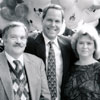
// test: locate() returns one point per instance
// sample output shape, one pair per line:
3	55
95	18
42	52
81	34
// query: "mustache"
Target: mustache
18	45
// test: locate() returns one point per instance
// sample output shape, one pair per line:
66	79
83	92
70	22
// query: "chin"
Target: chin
52	37
18	51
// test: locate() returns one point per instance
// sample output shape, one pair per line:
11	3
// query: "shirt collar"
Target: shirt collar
48	40
11	59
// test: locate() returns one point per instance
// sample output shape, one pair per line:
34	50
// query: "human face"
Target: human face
85	46
15	42
52	23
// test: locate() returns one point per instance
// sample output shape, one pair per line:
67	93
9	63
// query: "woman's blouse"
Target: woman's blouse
84	83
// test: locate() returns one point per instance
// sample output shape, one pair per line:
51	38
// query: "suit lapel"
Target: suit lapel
65	53
41	47
30	70
63	50
5	76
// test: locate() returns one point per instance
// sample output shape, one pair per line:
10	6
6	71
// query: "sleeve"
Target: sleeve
45	93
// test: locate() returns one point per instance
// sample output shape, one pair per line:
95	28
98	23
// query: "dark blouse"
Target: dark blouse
84	83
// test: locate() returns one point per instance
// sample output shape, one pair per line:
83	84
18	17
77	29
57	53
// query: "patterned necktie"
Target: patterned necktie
51	72
18	67
20	85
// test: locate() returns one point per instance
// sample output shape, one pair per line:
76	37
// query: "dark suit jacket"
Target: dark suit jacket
37	47
36	78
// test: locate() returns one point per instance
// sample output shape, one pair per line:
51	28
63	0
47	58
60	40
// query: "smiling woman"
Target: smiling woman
84	81
90	31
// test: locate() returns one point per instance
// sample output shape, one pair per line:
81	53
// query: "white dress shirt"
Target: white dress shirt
59	63
11	59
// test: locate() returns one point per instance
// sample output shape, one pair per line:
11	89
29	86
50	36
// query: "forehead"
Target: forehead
17	31
54	13
85	37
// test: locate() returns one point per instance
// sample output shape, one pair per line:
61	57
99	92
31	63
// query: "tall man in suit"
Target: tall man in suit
22	75
52	20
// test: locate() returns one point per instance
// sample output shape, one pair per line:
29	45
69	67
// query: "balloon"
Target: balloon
1	1
67	4
89	16
11	3
97	2
55	2
21	10
4	22
8	14
84	4
73	17
33	15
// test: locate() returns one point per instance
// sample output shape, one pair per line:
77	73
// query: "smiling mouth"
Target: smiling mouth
85	51
52	29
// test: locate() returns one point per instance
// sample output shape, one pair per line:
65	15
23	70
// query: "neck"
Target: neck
15	56
86	61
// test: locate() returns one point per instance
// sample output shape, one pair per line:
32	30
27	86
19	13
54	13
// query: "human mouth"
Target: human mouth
85	51
52	29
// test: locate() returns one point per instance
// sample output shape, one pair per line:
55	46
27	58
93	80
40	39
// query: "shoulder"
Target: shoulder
32	58
97	66
34	36
64	40
32	39
34	63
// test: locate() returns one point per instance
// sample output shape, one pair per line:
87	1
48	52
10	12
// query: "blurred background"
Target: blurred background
30	11
77	12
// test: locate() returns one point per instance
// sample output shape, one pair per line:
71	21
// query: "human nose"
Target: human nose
18	40
85	45
53	23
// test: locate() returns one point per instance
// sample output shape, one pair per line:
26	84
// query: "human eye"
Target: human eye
49	20
13	37
80	42
57	21
89	43
23	37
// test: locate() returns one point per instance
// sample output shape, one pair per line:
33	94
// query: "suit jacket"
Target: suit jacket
36	78
37	47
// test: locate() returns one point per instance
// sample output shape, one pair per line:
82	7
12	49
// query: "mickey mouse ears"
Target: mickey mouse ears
8	14
20	12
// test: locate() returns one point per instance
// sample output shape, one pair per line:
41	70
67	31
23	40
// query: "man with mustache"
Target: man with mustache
22	75
52	20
